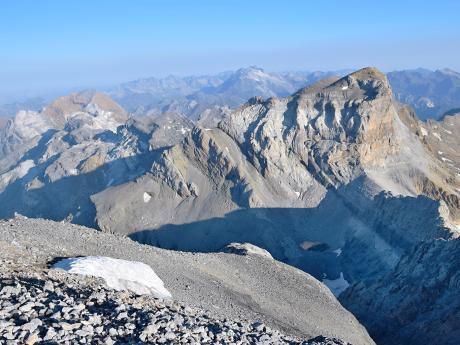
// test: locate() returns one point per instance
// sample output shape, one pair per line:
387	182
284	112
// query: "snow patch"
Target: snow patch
345	87
440	152
447	131
337	286
437	136
423	131
118	274
338	251
147	197
444	159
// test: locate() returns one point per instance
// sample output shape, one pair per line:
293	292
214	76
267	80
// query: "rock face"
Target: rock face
419	298
52	161
338	180
214	294
287	153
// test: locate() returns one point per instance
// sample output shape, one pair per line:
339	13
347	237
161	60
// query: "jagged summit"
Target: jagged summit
449	72
318	86
368	81
367	73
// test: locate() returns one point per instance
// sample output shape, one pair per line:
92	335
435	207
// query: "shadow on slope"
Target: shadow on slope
68	198
359	236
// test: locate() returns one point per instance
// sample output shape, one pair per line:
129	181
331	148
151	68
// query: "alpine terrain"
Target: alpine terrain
261	198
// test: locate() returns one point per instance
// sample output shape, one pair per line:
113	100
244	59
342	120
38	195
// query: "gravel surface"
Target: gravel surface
58	308
247	289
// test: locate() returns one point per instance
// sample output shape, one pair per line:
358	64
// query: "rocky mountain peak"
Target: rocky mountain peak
368	82
250	71
449	72
367	73
86	101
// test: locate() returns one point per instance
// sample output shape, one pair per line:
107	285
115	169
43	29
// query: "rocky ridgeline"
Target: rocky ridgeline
57	308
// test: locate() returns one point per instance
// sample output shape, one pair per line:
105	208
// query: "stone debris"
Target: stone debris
65	309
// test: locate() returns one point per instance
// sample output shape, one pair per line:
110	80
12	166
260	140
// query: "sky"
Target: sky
55	45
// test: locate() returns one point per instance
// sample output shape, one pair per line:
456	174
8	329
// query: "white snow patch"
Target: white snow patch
297	193
423	131
440	152
337	286
101	119
447	131
437	136
444	159
345	87
147	197
338	251
118	274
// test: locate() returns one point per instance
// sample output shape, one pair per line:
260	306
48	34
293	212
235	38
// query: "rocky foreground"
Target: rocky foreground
58	308
49	306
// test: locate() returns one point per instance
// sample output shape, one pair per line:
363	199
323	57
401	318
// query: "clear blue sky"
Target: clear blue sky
47	45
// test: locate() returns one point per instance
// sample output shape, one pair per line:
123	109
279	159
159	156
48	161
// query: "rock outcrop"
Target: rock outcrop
246	249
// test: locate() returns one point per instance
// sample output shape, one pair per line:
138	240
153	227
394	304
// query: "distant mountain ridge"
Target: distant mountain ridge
430	93
8	110
193	95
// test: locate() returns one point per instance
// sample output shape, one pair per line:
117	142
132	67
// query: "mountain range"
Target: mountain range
430	93
337	178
